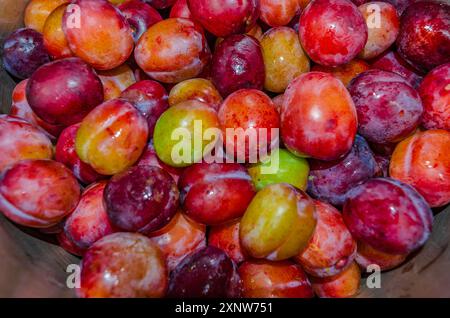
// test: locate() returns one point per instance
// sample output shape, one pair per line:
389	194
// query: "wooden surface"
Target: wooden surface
31	267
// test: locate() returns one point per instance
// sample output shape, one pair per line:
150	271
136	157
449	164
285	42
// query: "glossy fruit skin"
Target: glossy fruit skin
344	285
368	215
150	98
435	94
368	255
278	223
123	265
318	117
389	109
37	12
423	161
140	16
380	36
199	89
391	61
331	181
331	249
112	137
183	115
24	52
63	92
238	63
424	40
38	193
115	81
226	237
291	169
172	50
224	18
278	12
208	273
19	140
54	38
284	58
327	37
89	222
180	10
103	39
215	193
244	113
142	199
264	279
69	246
179	238
346	72
20	108
160	4
66	154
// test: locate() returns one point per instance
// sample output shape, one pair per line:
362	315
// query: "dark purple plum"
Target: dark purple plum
142	199
63	92
238	63
24	52
208	273
331	181
389	108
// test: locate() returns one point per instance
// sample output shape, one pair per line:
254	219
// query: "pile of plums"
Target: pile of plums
355	97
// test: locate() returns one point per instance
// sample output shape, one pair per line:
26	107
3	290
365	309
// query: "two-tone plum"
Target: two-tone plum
367	256
343	285
54	38
346	72
199	89
318	117
226	237
115	81
278	223
37	12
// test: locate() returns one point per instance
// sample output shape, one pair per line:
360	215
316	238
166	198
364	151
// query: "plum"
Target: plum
214	193
346	72
388	215
37	12
199	89
278	12
140	16
226	237
54	38
24	52
368	255
142	199
180	9
63	92
207	273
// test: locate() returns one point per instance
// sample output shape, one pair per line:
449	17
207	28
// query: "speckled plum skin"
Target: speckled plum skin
123	265
140	16
346	72
369	215
332	248
38	193
112	137
278	223
368	255
21	108
19	140
142	199
391	61
63	92
343	285
150	98
435	94
238	63
226	237
382	36
103	38
66	154
24	52
318	117
332	32
89	222
181	237
424	40
172	50
278	12
389	109
208	273
264	279
225	17
423	161
249	110
331	181
215	193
